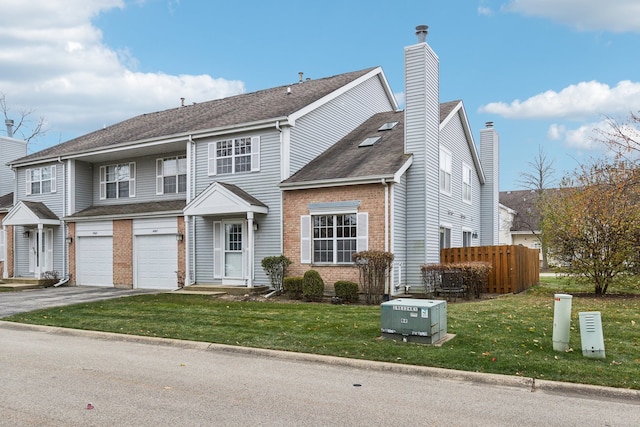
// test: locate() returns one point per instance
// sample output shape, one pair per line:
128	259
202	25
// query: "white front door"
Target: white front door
233	253
40	251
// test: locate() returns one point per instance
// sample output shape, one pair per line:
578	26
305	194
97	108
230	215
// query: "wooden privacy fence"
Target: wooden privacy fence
514	268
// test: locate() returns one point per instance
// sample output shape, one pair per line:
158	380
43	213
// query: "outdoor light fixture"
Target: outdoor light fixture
69	239
475	235
25	234
256	227
179	237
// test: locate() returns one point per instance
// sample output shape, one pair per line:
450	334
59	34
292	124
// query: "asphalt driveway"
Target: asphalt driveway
20	302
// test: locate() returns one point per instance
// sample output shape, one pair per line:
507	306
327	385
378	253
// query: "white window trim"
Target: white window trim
254	155
28	181
446	227
306	236
446	168
470	231
3	244
160	176
103	181
467	172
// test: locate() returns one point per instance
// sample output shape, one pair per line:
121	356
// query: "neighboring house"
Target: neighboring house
202	193
520	219
10	148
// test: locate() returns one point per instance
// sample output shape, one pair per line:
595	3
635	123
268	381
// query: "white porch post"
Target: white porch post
250	249
40	253
187	257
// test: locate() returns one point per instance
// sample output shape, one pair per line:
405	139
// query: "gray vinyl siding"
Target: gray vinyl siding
54	201
145	181
490	227
262	184
399	230
422	114
320	129
453	210
83	186
10	149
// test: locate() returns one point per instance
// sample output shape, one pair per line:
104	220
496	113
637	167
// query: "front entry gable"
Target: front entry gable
30	213
221	198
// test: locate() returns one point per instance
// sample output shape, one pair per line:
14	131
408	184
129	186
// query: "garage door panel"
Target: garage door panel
94	261
157	262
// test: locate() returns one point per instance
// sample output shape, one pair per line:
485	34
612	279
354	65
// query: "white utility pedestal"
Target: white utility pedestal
561	321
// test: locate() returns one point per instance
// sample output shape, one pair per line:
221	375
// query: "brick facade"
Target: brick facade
295	204
123	253
71	232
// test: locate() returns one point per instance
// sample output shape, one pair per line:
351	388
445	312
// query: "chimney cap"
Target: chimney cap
421	32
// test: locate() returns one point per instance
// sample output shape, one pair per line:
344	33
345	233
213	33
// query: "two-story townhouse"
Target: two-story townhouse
202	193
183	195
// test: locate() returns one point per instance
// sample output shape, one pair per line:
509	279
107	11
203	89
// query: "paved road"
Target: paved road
53	376
20	302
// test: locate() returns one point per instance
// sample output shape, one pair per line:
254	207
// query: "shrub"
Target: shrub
312	286
374	268
293	287
50	278
347	291
276	269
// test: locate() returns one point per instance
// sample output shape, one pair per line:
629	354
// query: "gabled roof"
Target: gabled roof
347	160
524	203
222	198
30	213
270	104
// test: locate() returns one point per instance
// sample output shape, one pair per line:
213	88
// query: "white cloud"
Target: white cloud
53	60
484	11
613	15
582	100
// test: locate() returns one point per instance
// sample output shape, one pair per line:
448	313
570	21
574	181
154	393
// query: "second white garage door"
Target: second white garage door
157	261
94	261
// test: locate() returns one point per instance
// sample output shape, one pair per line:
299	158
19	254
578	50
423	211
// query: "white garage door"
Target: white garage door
157	261
94	261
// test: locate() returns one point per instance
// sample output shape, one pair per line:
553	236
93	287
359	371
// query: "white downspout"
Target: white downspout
5	270
188	280
388	284
65	261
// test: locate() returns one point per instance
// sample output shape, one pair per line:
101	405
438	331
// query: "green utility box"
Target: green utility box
414	320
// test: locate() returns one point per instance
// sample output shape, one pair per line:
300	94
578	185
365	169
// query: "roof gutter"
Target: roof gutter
165	139
339	182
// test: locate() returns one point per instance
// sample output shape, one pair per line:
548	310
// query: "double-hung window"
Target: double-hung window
235	155
332	238
466	238
171	175
118	181
445	171
41	180
466	183
445	237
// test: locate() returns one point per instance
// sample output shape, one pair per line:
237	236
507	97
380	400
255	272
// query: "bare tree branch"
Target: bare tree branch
23	125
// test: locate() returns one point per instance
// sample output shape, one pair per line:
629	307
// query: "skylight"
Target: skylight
388	126
369	141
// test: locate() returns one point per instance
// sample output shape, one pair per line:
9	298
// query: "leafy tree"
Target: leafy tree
539	177
24	126
623	138
592	222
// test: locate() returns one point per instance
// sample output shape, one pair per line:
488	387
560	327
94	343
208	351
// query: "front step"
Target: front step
222	290
22	284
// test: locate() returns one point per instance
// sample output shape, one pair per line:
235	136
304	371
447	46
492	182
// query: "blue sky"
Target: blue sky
546	72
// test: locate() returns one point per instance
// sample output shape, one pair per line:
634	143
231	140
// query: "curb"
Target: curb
532	384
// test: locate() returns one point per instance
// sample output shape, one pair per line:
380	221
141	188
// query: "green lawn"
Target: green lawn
507	335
